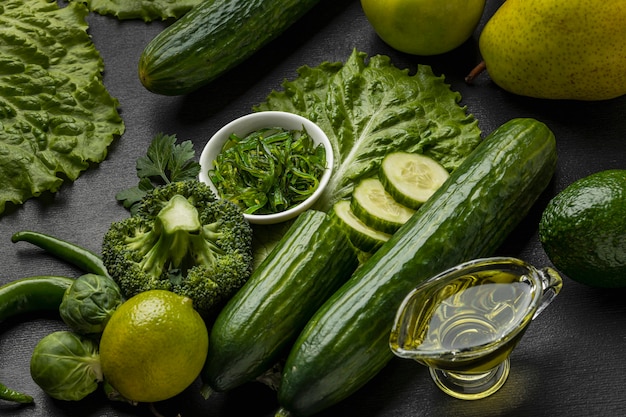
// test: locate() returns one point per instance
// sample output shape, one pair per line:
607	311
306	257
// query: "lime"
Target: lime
154	346
423	27
583	230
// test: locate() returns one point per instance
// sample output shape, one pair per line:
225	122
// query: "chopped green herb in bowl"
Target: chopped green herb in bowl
272	164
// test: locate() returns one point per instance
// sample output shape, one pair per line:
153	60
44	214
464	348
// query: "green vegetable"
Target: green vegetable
165	162
146	10
364	237
89	303
375	207
370	109
261	320
76	255
182	239
213	37
25	295
345	343
411	178
39	293
66	365
9	394
269	170
57	116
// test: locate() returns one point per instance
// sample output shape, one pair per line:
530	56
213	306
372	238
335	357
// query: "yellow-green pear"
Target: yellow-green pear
558	49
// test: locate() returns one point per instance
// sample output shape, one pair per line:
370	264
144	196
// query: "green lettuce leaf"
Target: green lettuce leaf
56	116
146	10
369	108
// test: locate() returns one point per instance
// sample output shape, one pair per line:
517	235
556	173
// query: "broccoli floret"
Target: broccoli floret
183	239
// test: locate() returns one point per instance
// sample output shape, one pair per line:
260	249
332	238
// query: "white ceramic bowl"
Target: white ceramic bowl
255	121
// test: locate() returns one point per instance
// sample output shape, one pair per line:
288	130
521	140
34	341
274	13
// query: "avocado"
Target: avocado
583	230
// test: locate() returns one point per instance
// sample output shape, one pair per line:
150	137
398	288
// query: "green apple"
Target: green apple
424	27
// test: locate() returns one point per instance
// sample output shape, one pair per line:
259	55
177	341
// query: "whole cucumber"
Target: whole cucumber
346	342
211	38
312	260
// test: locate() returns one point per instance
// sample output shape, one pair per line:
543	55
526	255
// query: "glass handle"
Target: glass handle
552	284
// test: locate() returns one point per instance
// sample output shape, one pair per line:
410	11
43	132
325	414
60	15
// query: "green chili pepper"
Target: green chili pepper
38	293
15	396
24	295
69	252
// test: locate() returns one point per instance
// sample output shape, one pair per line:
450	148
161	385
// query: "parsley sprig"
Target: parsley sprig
165	162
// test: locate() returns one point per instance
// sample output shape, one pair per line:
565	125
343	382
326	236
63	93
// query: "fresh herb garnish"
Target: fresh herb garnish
165	162
269	170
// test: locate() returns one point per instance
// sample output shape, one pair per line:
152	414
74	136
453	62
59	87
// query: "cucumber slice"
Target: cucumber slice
377	208
411	178
361	235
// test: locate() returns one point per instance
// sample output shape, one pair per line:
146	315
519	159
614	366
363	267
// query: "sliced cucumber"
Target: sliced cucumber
377	208
411	178
361	235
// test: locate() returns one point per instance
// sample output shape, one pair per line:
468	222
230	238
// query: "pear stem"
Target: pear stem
475	72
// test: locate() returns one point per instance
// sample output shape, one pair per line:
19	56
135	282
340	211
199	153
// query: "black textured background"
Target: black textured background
571	361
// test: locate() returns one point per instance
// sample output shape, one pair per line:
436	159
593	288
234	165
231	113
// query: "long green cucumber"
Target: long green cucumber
213	37
312	260
346	342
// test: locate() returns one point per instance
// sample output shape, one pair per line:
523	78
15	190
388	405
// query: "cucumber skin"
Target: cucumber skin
311	261
213	37
346	343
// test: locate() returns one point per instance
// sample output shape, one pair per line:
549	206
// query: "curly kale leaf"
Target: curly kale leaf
147	10
368	109
56	116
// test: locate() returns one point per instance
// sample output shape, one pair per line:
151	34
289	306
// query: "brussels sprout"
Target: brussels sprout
89	303
66	365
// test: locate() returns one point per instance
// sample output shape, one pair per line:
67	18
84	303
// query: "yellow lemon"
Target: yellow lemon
154	346
424	27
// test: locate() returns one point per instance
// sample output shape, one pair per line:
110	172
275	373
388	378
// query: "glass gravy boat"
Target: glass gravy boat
464	323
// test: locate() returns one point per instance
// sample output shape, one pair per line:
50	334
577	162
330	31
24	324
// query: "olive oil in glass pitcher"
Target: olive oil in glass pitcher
464	323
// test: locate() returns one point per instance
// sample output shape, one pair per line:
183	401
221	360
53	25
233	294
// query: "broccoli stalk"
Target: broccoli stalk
177	241
184	240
